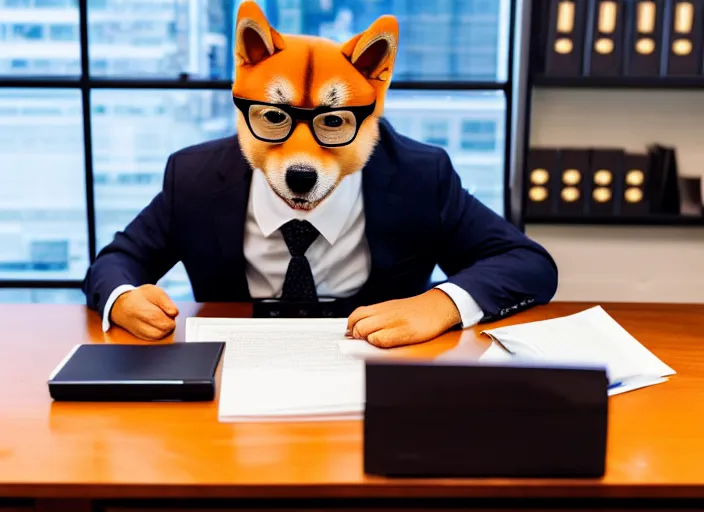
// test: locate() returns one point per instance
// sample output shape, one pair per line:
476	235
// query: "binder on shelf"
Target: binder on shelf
635	184
541	179
644	37
683	54
571	184
605	182
566	30
691	204
664	190
603	55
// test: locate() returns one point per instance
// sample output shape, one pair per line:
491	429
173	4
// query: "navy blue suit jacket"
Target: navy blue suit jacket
417	216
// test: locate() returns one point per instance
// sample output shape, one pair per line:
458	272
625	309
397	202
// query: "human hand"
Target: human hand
147	312
404	321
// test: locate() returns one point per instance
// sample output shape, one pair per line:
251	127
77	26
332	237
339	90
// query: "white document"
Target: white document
590	338
286	369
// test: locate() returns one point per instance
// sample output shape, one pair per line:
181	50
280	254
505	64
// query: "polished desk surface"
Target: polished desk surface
655	440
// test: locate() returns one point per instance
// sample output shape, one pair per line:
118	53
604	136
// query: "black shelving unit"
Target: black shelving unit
538	80
620	82
650	220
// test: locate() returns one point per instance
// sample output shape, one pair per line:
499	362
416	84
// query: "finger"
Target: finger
387	338
146	310
166	325
154	316
357	315
369	325
160	298
147	331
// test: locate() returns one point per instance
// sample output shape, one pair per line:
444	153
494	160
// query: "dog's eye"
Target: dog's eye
333	121
275	117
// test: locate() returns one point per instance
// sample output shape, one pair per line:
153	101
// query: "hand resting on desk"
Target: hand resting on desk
404	321
147	312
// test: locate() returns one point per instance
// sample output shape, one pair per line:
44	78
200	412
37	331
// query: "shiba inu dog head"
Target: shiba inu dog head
308	108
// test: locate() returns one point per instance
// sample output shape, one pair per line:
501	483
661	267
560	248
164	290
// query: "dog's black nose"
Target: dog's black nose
301	178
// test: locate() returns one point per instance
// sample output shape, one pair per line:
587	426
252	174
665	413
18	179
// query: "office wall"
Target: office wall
618	263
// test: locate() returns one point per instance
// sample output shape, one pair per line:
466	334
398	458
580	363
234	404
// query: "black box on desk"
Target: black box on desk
457	420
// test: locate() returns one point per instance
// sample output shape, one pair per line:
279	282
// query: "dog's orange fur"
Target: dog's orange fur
302	71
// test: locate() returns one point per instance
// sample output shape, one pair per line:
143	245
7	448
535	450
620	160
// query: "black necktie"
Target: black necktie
299	284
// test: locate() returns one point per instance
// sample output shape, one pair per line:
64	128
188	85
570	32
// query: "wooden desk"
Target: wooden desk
59	456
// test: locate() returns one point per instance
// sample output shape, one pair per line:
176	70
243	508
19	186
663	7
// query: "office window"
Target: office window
16	3
37	295
54	4
27	31
20	65
479	135
435	132
39	30
169	38
64	32
44	227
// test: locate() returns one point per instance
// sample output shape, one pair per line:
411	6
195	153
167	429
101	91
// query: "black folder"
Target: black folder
572	183
542	178
604	42
664	191
644	43
137	373
635	199
605	180
683	54
691	204
566	30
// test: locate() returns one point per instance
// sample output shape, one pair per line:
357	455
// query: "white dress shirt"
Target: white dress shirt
339	258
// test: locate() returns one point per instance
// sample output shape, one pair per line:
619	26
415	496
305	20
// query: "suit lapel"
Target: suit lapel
229	207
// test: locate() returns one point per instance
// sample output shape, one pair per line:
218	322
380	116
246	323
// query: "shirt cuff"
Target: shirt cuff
111	300
470	312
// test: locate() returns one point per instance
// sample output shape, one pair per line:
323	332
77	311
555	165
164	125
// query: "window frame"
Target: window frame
513	89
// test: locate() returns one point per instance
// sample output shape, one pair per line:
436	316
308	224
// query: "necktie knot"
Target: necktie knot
299	235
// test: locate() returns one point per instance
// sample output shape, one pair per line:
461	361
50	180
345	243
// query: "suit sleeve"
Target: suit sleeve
140	254
484	254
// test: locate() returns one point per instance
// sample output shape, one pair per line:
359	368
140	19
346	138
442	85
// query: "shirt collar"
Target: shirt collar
329	217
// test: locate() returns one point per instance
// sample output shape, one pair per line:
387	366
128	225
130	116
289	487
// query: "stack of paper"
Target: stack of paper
590	338
286	369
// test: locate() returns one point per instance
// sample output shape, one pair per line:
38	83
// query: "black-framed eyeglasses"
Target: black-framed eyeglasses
330	126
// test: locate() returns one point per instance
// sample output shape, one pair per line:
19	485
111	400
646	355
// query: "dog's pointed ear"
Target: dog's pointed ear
373	52
255	39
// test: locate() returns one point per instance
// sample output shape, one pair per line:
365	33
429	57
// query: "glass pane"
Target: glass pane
133	134
41	295
43	226
470	126
39	38
440	39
